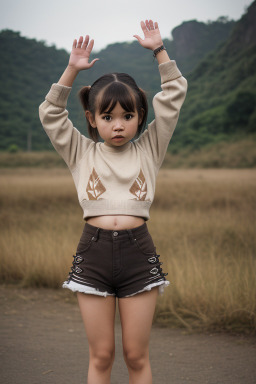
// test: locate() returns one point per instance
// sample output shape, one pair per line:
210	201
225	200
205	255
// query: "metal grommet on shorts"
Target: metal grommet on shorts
78	259
154	271
152	259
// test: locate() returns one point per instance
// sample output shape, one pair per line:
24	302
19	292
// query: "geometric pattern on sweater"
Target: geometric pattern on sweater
94	188
139	187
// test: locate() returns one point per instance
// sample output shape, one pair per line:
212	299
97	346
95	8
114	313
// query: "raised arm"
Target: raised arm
167	104
66	139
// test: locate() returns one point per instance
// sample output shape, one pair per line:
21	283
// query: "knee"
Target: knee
135	358
103	359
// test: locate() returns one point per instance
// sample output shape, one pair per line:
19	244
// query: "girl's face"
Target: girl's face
117	127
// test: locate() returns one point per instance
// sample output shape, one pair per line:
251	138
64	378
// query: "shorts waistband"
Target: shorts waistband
109	234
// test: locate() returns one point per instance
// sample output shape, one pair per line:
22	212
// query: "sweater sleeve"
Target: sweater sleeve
66	139
167	104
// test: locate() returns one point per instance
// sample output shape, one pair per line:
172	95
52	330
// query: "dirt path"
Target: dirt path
43	341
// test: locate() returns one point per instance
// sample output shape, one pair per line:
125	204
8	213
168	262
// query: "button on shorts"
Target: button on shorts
119	263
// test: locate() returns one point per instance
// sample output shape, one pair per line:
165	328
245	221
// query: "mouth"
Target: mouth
118	137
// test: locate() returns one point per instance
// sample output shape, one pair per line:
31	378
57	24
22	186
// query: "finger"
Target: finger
90	46
143	27
151	25
74	43
138	38
80	42
93	62
156	25
147	25
85	43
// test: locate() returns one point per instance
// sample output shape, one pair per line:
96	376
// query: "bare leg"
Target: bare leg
136	313
98	314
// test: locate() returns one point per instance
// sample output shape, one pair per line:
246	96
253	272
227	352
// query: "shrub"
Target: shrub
13	148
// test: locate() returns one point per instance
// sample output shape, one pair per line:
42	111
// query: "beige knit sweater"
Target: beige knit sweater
116	180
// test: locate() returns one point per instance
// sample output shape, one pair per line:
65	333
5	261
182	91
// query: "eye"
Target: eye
106	118
128	116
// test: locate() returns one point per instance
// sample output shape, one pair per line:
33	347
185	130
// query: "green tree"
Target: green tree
239	110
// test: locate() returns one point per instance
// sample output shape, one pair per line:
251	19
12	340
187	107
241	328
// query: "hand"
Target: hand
80	54
152	36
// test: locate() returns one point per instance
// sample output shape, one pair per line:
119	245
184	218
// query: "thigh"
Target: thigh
98	314
136	314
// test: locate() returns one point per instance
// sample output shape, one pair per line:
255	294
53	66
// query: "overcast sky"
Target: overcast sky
60	21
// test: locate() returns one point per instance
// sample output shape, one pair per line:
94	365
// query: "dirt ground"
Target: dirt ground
43	341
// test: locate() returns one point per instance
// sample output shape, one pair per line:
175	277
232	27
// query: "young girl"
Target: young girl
115	182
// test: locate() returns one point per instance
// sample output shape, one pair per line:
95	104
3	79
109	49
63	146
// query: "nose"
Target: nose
118	126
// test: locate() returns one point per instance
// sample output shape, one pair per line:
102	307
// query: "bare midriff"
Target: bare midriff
117	222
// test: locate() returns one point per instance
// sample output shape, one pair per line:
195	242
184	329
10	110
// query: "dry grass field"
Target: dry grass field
203	223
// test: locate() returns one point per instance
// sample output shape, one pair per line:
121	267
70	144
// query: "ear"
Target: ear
90	118
142	112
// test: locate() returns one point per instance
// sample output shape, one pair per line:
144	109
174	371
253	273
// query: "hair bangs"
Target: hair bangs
116	92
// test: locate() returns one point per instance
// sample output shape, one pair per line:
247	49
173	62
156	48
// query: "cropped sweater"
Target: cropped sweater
116	180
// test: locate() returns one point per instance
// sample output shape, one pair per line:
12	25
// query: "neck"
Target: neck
113	148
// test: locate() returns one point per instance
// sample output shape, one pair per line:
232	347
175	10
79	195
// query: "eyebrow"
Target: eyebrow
110	113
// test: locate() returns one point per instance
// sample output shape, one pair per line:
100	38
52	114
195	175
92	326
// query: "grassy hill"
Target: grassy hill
221	102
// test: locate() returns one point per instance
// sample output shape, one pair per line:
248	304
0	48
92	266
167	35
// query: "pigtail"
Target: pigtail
84	98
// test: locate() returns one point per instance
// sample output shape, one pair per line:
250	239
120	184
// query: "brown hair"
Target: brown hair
114	88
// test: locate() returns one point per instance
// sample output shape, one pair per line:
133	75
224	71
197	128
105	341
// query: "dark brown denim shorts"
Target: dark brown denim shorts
120	263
